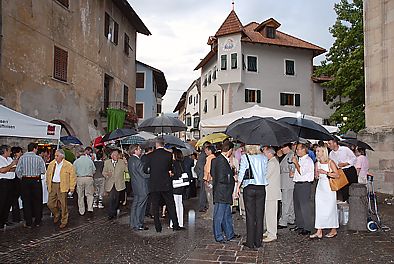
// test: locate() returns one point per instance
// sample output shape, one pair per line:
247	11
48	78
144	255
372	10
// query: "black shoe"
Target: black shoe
158	230
236	236
296	228
111	217
305	233
281	227
248	246
143	228
178	228
300	231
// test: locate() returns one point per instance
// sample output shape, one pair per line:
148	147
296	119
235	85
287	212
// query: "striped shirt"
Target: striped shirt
30	164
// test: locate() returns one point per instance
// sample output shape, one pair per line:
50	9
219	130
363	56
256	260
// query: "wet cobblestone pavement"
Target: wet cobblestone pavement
98	240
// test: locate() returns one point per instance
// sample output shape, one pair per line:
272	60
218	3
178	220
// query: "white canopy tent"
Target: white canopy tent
15	124
219	123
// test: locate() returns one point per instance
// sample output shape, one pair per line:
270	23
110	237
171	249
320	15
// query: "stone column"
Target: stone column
379	98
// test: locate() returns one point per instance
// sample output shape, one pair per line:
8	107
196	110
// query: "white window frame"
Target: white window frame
257	63
144	72
284	67
255	89
294	94
143	109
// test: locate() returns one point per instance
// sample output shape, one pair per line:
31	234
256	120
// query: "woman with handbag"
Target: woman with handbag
325	198
252	177
179	173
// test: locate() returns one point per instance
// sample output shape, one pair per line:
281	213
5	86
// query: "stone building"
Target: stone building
67	61
379	98
259	64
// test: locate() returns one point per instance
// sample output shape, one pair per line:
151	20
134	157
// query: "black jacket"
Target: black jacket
178	169
158	164
223	180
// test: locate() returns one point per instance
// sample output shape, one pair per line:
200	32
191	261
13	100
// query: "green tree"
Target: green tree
345	63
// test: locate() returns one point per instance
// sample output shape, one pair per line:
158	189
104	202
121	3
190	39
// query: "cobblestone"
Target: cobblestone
102	241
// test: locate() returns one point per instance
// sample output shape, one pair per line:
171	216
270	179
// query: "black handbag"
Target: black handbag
248	172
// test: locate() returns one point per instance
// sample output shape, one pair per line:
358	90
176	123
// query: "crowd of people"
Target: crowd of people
250	178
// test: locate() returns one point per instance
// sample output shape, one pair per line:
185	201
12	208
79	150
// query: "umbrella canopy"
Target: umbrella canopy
118	133
262	131
97	142
358	143
174	141
134	139
146	135
212	138
350	135
70	140
162	124
188	150
308	129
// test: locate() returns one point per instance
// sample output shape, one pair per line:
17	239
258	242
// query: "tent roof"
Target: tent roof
220	123
15	124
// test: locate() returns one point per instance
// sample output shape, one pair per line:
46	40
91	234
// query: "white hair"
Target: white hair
61	152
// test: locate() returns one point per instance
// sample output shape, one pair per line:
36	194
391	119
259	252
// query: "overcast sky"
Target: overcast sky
180	30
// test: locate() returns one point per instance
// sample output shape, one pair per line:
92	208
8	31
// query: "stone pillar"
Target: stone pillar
379	91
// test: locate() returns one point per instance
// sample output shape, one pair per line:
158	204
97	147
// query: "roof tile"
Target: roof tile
231	25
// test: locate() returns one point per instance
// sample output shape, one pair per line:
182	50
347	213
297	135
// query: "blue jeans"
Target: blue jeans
222	222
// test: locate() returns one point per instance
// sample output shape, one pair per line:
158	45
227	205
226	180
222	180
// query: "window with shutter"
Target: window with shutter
60	58
214	73
243	62
223	62
324	95
189	121
63	3
205	106
126	44
158	108
297	99
271	32
125	95
252	63
116	32
106	25
140	80
290	69
258	96
139	108
111	29
234	61
215	101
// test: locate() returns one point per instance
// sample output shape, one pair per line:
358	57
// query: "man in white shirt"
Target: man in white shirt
303	178
345	159
7	174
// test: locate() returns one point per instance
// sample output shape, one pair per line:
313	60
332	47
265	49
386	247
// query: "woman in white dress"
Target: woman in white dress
325	199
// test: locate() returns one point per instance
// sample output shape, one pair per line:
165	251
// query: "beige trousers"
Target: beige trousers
56	199
271	217
85	188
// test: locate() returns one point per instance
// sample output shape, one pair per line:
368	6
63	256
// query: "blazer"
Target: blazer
223	180
199	168
139	179
272	190
286	182
158	164
67	176
117	175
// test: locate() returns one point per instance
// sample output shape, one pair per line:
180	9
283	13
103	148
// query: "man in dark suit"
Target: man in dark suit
158	165
139	184
223	187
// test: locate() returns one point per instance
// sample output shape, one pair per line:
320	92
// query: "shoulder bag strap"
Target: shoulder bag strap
250	167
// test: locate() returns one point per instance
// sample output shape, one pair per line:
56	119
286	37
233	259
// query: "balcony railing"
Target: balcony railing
131	116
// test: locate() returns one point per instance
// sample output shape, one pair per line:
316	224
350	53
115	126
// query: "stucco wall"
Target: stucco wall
146	95
31	29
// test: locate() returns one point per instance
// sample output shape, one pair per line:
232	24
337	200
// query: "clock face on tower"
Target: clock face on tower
229	45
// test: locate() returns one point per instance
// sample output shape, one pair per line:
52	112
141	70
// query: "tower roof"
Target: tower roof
231	25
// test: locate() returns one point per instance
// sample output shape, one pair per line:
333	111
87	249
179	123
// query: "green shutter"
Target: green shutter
116	31
297	99
258	96
282	99
246	96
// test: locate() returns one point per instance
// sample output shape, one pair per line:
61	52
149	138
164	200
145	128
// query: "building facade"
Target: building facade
151	86
189	109
379	89
68	61
258	64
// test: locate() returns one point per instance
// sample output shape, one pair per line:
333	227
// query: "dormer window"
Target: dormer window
271	32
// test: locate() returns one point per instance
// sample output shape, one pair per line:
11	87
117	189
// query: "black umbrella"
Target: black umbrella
70	140
358	143
308	129
162	124
119	133
261	131
173	141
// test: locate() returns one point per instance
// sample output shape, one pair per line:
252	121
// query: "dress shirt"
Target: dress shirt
30	164
84	166
4	162
307	170
259	164
56	174
342	155
114	162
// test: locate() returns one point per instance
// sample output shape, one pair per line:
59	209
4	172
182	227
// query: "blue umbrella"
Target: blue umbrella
134	139
68	140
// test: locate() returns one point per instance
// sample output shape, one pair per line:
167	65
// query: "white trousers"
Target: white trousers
179	209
